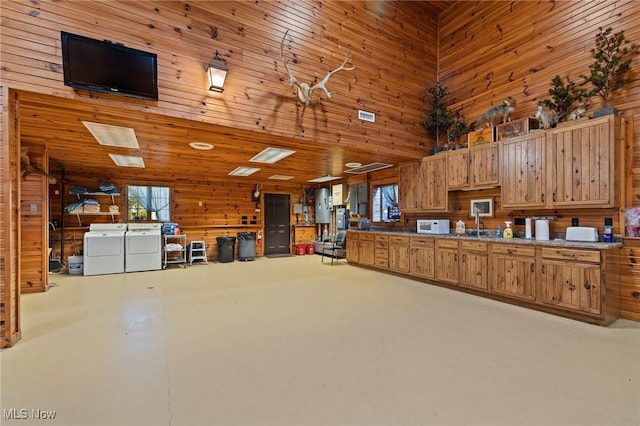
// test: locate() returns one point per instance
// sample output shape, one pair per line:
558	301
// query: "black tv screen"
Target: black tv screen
103	66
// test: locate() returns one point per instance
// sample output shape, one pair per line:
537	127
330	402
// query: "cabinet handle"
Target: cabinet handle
636	294
543	269
455	257
569	254
532	267
554	197
587	286
510	251
543	197
572	287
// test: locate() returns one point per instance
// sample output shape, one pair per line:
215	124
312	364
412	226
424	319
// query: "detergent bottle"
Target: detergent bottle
508	232
460	227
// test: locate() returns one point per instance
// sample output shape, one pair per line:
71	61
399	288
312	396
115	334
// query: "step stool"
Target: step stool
197	251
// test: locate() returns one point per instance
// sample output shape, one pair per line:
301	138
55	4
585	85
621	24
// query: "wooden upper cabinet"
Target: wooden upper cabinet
484	167
523	179
458	169
581	163
408	177
475	167
433	195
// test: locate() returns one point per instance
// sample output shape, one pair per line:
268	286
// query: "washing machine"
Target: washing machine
103	249
143	243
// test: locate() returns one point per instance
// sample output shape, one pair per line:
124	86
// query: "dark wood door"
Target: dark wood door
276	224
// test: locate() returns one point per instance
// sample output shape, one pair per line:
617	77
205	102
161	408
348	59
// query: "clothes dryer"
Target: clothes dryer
103	248
143	242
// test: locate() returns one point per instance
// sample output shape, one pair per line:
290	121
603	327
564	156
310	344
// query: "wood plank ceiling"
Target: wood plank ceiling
56	124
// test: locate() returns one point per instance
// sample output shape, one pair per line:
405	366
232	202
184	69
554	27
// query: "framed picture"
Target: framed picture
484	207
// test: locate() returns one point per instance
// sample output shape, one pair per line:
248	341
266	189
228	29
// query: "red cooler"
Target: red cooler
300	249
309	248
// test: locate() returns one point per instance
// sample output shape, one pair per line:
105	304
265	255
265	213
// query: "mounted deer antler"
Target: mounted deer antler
305	90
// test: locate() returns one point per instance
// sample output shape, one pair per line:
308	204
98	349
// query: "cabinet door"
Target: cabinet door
422	262
458	169
399	258
513	275
484	170
571	285
407	187
447	265
433	193
366	252
523	178
474	270
581	160
352	249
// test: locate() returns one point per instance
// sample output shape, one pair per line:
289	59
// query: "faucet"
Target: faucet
476	214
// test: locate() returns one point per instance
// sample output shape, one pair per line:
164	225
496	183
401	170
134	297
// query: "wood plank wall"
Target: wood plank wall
393	45
226	206
34	220
10	331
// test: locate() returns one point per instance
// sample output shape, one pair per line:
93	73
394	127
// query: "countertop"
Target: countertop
560	243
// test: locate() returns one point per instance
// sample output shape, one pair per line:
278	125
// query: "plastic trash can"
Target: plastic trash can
246	245
76	265
226	249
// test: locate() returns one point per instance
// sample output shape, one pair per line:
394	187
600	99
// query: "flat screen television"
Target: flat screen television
103	66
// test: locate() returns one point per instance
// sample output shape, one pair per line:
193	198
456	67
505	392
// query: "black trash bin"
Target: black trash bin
226	248
246	245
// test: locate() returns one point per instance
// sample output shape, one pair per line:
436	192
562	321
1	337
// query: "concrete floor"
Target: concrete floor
291	341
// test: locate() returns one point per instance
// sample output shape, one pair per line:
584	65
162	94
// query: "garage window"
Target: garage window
148	203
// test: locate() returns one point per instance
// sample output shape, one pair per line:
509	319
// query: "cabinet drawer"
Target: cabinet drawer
366	237
382	254
382	263
382	238
382	244
417	242
572	254
474	246
514	250
442	243
398	240
353	235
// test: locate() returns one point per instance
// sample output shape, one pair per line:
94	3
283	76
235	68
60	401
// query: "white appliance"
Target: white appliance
143	247
581	233
103	249
432	226
542	229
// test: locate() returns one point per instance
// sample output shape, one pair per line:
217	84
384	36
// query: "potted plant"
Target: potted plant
563	97
438	119
612	62
457	128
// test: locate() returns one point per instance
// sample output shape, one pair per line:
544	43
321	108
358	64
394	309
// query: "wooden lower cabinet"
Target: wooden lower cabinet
513	271
399	254
366	249
422	257
474	264
447	261
382	251
573	284
578	283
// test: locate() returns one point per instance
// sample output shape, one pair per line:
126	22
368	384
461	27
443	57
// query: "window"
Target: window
385	203
148	203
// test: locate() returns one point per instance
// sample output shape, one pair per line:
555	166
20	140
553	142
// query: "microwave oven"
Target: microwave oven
432	226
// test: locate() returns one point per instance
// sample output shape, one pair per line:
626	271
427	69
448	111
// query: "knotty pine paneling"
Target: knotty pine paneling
490	50
34	222
630	279
226	205
400	35
10	331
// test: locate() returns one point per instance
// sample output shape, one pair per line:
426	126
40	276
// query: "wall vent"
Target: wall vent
366	116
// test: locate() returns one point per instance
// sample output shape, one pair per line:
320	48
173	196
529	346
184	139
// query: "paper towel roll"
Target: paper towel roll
527	228
542	229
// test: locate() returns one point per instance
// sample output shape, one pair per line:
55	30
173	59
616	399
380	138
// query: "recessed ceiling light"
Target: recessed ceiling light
127	160
202	146
326	178
352	165
243	171
281	177
271	155
106	134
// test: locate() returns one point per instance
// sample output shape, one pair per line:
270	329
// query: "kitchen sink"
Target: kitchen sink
483	233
